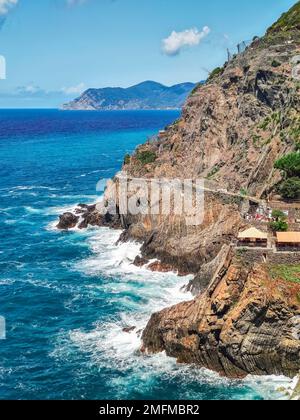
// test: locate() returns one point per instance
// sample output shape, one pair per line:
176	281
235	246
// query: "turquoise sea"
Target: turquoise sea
66	297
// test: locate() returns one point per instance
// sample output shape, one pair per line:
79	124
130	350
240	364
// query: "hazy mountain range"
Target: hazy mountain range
146	95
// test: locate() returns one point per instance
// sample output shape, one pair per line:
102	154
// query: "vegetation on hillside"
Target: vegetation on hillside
127	159
290	188
216	72
278	215
290	166
196	88
289	21
146	157
279	224
290	273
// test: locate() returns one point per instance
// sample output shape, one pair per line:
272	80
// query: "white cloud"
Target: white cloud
74	90
179	40
5	5
31	89
28	90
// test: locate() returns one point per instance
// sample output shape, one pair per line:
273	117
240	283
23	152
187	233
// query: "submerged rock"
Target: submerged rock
160	267
128	330
140	261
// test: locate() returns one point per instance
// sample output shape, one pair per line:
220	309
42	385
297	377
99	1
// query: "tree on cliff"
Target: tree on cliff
290	164
290	188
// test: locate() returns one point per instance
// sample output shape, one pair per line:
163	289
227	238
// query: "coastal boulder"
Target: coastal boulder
67	221
140	261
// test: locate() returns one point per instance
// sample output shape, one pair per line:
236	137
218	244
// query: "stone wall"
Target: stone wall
288	258
252	256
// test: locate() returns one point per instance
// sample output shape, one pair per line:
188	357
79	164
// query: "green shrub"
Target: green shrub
290	189
290	164
241	252
278	215
256	139
275	64
265	123
196	88
127	159
216	72
213	172
280	226
146	157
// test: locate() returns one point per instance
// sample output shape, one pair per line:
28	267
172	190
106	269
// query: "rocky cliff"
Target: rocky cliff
235	126
245	322
231	131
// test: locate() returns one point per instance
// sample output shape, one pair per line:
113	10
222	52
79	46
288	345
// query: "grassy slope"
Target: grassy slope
289	21
290	273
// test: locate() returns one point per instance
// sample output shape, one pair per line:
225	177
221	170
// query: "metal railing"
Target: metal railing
241	47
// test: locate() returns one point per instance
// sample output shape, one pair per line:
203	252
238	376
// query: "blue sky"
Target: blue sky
54	49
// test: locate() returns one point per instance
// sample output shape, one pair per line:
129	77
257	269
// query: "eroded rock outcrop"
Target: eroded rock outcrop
84	216
67	221
245	323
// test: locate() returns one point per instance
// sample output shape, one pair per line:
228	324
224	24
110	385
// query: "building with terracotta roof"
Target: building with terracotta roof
253	238
288	241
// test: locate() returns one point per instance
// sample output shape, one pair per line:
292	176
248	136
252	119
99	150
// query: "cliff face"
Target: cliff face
235	126
187	248
245	323
231	131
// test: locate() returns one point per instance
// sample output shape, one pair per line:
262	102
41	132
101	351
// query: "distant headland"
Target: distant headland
146	95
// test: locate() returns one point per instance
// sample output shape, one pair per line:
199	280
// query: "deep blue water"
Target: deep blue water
67	296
